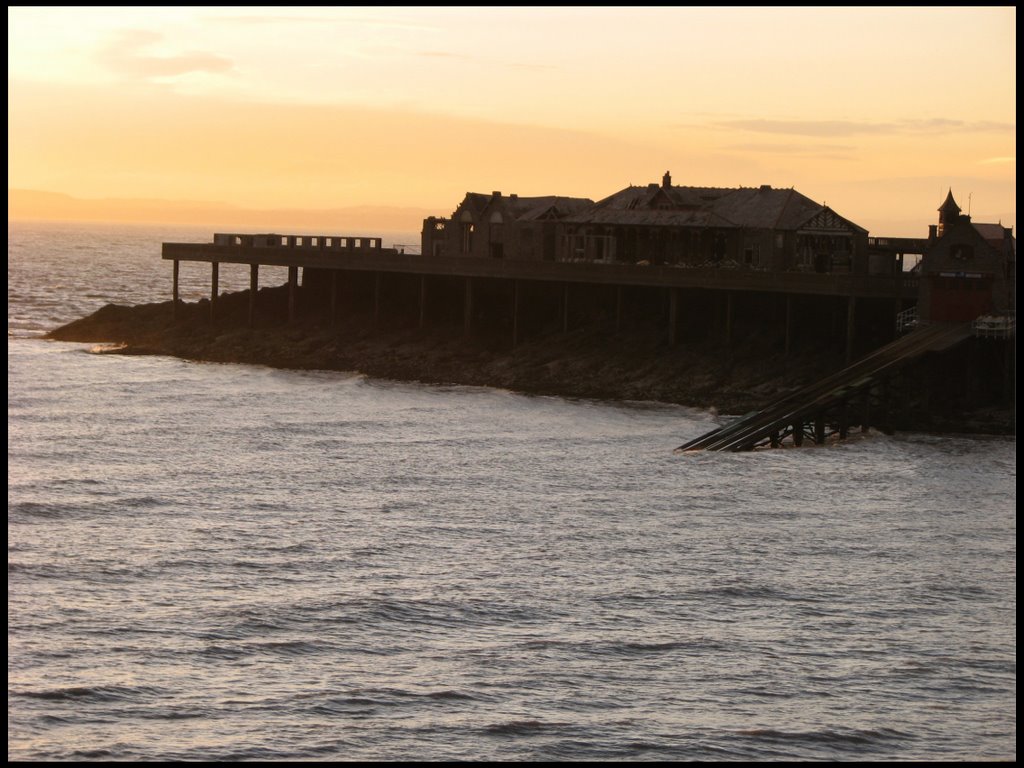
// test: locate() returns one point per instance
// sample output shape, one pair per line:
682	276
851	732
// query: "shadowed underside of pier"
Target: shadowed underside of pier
834	403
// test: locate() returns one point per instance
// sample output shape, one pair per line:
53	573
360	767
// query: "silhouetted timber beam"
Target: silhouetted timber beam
789	324
174	291
293	281
423	300
467	307
565	307
334	297
851	326
515	312
214	289
376	298
254	286
673	315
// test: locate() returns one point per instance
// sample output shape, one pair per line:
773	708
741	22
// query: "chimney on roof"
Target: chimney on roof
766	187
666	180
496	193
513	196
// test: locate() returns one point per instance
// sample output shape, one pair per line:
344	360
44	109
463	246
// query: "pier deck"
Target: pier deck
390	260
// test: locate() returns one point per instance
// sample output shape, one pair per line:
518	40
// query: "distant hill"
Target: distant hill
37	205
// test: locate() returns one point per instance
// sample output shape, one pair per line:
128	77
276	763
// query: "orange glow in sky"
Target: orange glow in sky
874	111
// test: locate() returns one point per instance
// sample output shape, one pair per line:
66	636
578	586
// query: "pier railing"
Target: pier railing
906	321
996	325
367	253
346	243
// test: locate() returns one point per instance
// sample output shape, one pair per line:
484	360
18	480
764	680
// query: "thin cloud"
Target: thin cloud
998	160
834	128
124	56
270	19
511	64
796	149
322	19
442	54
521	65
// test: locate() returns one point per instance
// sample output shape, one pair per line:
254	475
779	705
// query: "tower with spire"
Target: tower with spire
949	214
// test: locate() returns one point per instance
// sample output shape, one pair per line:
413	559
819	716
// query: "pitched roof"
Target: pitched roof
554	204
949	202
742	208
995	235
655	205
526	208
990	231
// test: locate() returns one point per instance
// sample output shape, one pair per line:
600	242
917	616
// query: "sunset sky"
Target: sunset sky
874	111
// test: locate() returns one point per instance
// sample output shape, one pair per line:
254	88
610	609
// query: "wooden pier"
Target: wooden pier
870	316
688	294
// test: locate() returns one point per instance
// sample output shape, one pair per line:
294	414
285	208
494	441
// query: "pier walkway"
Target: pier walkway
830	403
367	254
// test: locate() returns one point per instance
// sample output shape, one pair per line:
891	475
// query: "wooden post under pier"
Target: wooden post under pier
515	312
254	287
851	316
174	291
334	297
467	307
214	289
376	298
423	300
728	317
565	307
673	315
789	323
293	279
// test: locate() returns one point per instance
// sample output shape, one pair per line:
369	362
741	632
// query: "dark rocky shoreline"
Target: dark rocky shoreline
632	364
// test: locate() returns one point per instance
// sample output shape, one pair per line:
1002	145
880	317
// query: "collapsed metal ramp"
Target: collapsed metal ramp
808	406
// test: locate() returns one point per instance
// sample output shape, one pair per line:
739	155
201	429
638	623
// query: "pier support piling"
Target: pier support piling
467	308
851	327
214	289
673	315
293	280
728	317
789	324
515	312
423	301
334	297
254	286
565	307
174	291
376	299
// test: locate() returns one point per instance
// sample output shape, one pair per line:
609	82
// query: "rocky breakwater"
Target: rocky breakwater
595	362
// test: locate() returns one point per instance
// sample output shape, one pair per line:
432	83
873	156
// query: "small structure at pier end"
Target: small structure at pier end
966	299
969	269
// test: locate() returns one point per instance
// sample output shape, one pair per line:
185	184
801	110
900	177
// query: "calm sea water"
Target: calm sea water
227	562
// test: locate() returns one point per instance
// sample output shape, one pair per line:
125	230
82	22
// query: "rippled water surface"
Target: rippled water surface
233	562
